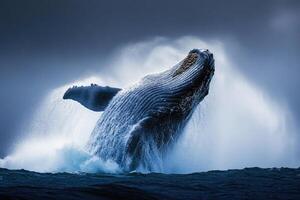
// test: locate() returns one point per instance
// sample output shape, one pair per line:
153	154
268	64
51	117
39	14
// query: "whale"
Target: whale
138	125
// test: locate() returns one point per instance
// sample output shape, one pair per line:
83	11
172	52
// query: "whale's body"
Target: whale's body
141	122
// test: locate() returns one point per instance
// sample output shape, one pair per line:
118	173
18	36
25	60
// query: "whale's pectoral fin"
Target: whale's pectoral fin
93	97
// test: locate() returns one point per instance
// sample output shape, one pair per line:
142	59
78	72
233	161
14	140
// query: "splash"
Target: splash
57	135
237	125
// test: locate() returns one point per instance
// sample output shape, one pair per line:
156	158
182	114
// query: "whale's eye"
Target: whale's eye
187	63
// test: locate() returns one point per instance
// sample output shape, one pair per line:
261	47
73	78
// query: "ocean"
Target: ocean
248	183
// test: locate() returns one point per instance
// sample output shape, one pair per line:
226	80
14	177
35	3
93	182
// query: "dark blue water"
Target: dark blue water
249	183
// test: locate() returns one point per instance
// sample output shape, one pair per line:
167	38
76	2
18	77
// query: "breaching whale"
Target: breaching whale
139	124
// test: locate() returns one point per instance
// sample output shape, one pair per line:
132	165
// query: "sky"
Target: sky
46	43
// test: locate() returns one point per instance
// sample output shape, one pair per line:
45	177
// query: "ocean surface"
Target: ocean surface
248	183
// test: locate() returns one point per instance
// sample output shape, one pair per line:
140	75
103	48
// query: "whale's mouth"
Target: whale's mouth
187	63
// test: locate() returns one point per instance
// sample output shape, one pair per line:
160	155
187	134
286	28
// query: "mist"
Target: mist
237	125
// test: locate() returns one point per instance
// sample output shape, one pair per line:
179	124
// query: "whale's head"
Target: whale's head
189	80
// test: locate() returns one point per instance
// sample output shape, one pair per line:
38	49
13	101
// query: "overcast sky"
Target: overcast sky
46	43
